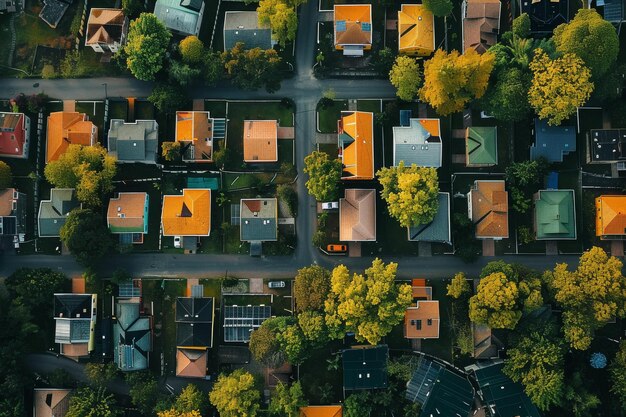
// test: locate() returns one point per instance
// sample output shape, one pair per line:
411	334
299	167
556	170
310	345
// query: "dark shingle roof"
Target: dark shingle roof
365	368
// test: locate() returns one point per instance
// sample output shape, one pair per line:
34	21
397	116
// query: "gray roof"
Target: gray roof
53	212
132	338
53	11
244	27
439	229
552	142
181	16
134	142
72	317
414	144
259	219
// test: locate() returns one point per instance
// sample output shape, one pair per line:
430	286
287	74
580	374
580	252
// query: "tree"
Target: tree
578	397
88	169
293	343
287	400
439	8
521	26
452	80
358	405
591	38
183	74
191	399
235	395
466	245
507	99
86	236
496	302
132	8
173	412
319	239
213	67
617	371
170	151
590	296
369	305
324	175
34	289
99	374
288	195
383	60
6	178
264	345
311	287
559	86
92	402
313	327
411	193
405	76
192	50
146	45
144	391
167	98
249	69
458	287
222	157
280	17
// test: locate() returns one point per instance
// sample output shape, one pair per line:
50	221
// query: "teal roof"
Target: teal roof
203	183
482	146
439	229
132	337
181	16
555	215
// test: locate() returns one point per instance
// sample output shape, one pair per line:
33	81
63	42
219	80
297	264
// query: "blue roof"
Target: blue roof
437	230
552	142
340	25
366	27
553	181
405	117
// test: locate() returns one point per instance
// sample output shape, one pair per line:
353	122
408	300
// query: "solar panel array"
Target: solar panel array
240	321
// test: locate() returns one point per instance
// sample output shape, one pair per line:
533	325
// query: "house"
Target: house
353	28
438	230
481	24
241	321
611	10
9	6
243	26
53	11
196	130
260	141
545	15
486	344
194	335
439	390
481	146
419	143
12	212
127	216
14	135
607	146
421	319
555	215
132	336
51	402
502	397
611	217
357	216
183	17
356	145
75	322
53	212
365	367
488	208
106	30
259	219
321	411
134	142
68	128
416	34
552	142
188	214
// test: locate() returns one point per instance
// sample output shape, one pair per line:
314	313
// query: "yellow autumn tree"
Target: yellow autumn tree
369	305
173	412
559	86
590	296
452	80
458	287
235	395
496	302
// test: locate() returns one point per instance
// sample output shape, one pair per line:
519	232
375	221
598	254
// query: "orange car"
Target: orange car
336	248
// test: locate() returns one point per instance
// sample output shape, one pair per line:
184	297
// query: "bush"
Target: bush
6	178
287	194
48	72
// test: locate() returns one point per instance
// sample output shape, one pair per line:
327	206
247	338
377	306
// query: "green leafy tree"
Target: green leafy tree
250	69
213	67
34	288
183	74
406	77
287	400
144	391
313	327
92	402
235	395
88	169
411	193
591	38
521	26
507	99
288	195
280	17
132	8
369	305
617	371
324	175
167	98
559	86
293	343
590	296
86	236
439	8
190	399
383	60
192	50
527	173
222	157
458	287
100	374
452	80
146	45
496	302
358	405
170	151
577	396
6	178
265	346
320	238
311	287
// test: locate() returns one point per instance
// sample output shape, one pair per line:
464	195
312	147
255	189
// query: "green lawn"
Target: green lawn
285	151
144	110
217	108
212	288
369	105
327	117
118	109
53	106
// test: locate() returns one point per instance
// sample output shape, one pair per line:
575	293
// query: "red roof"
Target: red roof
12	134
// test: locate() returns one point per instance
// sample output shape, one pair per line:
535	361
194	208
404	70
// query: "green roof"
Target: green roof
365	368
555	216
482	145
437	230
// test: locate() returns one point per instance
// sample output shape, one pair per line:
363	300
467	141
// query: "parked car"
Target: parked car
178	243
276	284
336	248
331	205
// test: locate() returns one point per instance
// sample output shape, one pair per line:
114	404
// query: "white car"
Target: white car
178	242
331	205
276	284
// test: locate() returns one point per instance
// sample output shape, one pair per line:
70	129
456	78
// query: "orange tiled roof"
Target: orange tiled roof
420	290
103	21
191	363
131	208
416	30
321	411
78	285
354	16
611	215
260	142
490	209
358	156
357	216
68	128
188	214
416	320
